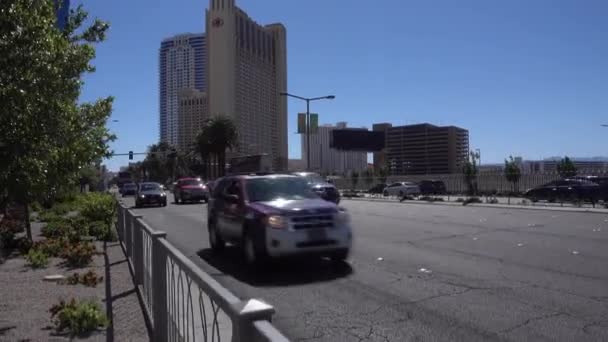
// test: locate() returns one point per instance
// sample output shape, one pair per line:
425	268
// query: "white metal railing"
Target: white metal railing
182	302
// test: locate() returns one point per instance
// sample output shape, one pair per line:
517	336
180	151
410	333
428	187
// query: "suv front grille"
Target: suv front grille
316	221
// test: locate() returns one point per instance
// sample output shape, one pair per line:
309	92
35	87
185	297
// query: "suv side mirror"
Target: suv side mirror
233	199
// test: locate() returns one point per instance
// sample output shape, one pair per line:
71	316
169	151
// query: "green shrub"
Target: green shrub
77	318
37	258
8	229
73	228
102	231
48	216
90	279
98	207
52	247
36	207
78	254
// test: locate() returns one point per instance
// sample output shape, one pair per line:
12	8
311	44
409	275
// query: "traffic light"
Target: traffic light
130	155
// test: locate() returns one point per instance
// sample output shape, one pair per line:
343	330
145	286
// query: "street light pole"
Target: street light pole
308	100
308	134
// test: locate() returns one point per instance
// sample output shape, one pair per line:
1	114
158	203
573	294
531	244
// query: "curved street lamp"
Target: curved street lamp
308	100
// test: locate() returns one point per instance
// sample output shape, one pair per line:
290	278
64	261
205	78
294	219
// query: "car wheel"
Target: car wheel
400	193
385	193
176	199
165	203
215	240
252	254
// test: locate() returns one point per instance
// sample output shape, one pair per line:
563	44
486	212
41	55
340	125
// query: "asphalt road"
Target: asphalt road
422	272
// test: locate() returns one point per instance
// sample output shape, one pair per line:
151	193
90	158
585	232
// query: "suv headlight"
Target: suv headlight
162	194
142	196
342	217
277	221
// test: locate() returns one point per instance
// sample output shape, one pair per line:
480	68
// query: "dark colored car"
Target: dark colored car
565	190
276	216
191	190
378	188
321	186
128	189
149	193
432	187
602	182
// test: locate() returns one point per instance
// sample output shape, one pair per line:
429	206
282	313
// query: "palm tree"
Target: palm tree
218	134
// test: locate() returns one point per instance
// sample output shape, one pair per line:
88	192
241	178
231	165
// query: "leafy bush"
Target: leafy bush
98	207
52	247
78	254
36	207
8	229
431	199
492	200
77	318
460	200
73	228
90	279
102	231
48	216
37	258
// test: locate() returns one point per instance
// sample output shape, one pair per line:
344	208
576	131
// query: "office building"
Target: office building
425	149
380	156
62	12
325	159
182	65
247	70
191	114
296	165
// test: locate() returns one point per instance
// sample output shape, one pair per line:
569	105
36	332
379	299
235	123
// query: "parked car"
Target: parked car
321	186
565	190
273	216
432	187
190	189
402	189
377	189
128	189
150	193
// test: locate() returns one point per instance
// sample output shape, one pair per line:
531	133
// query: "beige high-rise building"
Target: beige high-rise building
192	112
246	71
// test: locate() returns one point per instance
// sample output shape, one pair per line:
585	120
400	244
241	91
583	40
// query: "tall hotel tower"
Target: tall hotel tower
246	71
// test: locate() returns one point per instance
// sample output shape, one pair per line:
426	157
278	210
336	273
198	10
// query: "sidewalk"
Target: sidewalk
27	298
501	204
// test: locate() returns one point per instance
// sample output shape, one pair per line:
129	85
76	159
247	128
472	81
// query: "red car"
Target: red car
190	189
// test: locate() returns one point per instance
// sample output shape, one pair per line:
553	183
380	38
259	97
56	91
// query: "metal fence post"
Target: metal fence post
249	312
138	251
129	235
159	290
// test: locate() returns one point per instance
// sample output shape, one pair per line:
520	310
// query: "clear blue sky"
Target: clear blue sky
524	77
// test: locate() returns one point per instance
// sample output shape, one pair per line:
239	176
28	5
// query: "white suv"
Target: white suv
402	189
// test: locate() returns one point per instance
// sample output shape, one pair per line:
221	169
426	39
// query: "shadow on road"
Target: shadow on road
291	271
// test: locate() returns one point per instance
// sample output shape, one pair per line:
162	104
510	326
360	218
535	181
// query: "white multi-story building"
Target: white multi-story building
182	65
247	71
325	159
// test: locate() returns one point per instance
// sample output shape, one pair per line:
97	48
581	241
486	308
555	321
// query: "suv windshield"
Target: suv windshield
148	187
269	189
190	182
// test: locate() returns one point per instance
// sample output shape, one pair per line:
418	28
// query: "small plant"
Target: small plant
73	228
492	200
48	216
52	247
77	318
102	231
90	279
460	200
78	254
98	207
36	207
37	258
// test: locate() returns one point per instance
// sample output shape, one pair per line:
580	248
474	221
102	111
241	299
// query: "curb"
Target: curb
486	205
